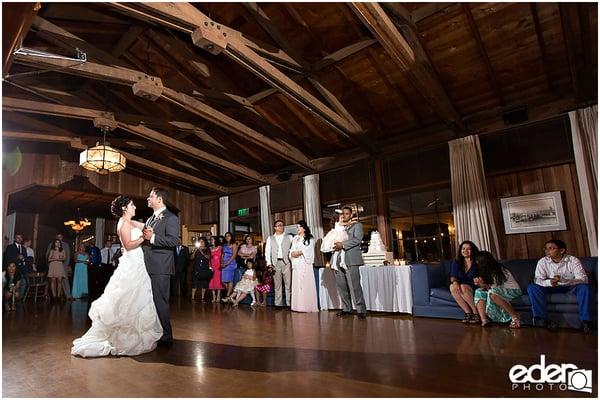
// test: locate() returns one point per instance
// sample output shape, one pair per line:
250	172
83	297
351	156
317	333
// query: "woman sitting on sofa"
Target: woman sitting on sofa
462	287
497	287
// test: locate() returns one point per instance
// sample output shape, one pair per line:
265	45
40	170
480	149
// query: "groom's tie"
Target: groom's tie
151	220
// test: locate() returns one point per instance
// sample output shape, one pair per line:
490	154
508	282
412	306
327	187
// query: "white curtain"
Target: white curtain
11	220
266	223
223	214
312	213
473	216
584	129
100	232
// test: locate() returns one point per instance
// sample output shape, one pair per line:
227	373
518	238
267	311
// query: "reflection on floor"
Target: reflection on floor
265	352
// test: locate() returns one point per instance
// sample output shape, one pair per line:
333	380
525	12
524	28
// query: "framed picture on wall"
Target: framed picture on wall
540	212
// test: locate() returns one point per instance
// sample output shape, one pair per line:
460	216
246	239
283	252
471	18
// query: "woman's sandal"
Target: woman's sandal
467	319
475	319
515	323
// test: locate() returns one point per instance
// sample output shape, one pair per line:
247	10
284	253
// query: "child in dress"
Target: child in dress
264	276
244	287
337	234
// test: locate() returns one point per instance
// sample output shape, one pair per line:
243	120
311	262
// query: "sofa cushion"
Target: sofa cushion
441	293
435	301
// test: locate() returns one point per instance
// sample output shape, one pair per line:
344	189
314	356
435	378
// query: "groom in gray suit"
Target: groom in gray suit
351	275
162	235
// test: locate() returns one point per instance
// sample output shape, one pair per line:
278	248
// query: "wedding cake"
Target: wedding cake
376	255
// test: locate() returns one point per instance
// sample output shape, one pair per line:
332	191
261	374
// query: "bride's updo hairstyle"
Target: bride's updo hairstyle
118	205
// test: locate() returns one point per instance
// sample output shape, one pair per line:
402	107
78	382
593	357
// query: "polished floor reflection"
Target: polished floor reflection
243	352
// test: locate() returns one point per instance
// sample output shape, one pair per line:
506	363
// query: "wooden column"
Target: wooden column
36	230
381	207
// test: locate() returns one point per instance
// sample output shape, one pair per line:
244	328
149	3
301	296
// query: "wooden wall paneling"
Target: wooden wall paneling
289	217
531	182
559	178
575	181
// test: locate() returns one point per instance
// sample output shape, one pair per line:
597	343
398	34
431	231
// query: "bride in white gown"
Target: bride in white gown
124	318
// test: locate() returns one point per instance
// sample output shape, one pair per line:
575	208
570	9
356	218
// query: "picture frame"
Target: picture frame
540	212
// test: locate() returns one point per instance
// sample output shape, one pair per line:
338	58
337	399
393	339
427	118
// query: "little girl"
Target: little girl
265	283
244	287
337	234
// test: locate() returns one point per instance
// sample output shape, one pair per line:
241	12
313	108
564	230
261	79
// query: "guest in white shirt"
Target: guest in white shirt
30	252
559	272
277	251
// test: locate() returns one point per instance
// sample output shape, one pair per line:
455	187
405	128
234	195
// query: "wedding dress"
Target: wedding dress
124	318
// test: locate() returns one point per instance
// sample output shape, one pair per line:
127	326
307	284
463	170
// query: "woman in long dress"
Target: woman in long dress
80	273
302	254
124	318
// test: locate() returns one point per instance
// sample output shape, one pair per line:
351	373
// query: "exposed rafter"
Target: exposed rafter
12	104
77	144
15	25
483	53
216	38
151	87
409	60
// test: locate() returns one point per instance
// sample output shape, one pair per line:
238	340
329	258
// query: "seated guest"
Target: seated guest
497	287
12	283
462	273
559	272
247	251
264	278
244	287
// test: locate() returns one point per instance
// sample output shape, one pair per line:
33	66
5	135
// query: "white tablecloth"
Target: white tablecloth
385	288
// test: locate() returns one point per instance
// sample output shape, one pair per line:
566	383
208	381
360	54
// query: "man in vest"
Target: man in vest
277	252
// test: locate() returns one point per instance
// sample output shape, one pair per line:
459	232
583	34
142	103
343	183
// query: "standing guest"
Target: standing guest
56	267
15	252
229	264
497	287
302	254
277	250
80	273
66	287
247	250
28	249
94	271
182	259
202	273
216	251
264	276
559	272
462	287
10	290
350	276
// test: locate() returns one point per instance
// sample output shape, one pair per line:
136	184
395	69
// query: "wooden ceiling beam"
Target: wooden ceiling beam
16	21
132	78
267	25
575	28
410	59
427	10
542	45
12	104
325	62
179	16
77	144
483	53
217	38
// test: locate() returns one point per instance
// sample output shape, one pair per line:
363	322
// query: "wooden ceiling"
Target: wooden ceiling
224	96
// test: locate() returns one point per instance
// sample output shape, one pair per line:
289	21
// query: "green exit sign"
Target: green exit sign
242	212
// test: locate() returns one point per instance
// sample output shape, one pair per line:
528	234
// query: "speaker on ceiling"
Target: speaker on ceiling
515	115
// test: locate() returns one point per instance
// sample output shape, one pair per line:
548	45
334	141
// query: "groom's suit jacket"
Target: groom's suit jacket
159	257
353	252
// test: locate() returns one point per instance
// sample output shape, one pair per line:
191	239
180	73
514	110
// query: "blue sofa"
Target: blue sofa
432	298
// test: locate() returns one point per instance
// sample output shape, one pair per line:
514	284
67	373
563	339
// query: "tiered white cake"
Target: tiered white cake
376	255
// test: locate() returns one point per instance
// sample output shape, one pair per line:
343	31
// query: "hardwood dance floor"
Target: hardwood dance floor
225	352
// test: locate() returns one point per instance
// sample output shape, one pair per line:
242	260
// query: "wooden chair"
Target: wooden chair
37	284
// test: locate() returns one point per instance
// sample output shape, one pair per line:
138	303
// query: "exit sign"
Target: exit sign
242	212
